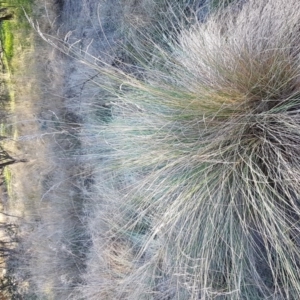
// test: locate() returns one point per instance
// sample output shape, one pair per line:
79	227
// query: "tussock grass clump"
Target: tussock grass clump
199	173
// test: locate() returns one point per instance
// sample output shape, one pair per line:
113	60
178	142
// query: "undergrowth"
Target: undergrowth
191	141
197	168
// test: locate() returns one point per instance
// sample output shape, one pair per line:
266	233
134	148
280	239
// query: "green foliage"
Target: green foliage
7	39
17	25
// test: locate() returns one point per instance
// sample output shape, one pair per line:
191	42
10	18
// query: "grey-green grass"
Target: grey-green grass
198	166
194	158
